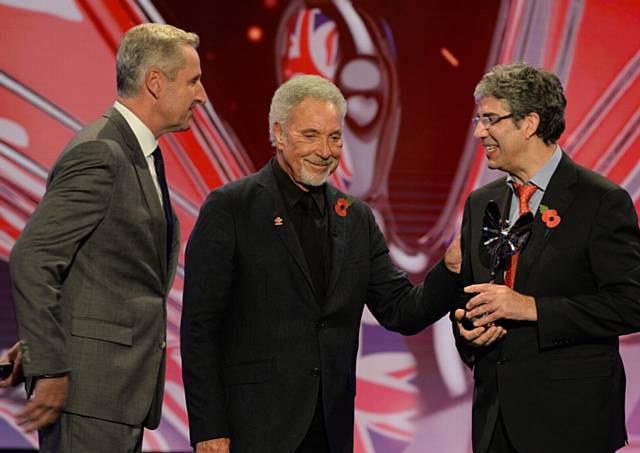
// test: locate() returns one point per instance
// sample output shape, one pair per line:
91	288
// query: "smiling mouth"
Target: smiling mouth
319	164
491	148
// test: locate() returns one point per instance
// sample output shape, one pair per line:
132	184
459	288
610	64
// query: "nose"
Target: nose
325	148
480	131
201	95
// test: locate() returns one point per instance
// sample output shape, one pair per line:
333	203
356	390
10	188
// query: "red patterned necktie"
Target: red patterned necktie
525	192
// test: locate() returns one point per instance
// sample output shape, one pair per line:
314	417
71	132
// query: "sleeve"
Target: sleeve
77	197
392	298
209	269
614	255
466	350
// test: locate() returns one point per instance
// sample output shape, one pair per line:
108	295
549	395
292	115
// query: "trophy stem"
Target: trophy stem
492	267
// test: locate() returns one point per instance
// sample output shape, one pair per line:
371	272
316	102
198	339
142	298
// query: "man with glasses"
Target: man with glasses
555	382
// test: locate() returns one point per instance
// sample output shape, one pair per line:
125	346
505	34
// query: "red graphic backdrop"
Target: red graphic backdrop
408	70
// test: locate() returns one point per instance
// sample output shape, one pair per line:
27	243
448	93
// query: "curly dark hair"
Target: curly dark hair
526	89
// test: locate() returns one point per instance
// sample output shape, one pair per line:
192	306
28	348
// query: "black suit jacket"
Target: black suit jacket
256	347
560	382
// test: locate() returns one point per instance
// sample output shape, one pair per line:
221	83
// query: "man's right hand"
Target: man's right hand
480	336
220	445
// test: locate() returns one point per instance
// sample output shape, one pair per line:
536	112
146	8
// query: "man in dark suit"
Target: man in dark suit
555	383
93	266
278	269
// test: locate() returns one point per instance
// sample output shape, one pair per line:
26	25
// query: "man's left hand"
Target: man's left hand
493	302
44	408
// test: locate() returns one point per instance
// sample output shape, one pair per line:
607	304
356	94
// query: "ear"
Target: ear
531	122
278	133
154	81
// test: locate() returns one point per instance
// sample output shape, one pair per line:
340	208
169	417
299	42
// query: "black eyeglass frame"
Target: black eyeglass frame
488	121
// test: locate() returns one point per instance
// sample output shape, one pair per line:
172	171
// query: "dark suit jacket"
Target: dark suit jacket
90	277
560	382
256	347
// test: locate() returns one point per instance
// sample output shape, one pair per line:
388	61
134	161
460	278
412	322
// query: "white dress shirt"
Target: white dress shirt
146	140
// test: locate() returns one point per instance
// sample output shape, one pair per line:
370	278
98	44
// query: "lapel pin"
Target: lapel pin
277	221
342	205
550	217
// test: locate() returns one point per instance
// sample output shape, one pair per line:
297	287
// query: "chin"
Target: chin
493	165
315	180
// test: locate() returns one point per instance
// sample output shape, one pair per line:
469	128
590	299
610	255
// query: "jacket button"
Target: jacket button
502	360
315	372
321	325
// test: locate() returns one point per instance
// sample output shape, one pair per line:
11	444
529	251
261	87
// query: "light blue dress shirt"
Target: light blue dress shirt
540	180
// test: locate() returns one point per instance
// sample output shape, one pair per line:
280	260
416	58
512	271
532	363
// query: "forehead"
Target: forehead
314	113
492	105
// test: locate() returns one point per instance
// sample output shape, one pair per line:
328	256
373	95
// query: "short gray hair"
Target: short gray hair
150	45
295	90
526	89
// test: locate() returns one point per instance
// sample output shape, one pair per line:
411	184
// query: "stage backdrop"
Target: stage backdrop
408	69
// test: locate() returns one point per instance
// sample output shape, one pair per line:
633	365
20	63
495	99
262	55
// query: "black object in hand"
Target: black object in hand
467	323
501	240
5	370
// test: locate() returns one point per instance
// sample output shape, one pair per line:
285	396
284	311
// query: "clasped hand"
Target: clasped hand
491	303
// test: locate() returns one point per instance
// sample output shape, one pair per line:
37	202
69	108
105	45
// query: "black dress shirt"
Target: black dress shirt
308	212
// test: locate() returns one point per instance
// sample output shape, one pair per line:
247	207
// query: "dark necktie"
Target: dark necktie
525	192
312	242
158	163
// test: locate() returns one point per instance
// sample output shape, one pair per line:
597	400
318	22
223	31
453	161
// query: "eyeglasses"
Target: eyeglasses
488	121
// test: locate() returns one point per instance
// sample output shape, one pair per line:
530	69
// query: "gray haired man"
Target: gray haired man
279	268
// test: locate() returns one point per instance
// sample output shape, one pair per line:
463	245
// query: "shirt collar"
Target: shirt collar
543	176
147	141
292	193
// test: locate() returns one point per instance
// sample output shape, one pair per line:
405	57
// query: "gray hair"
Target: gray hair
295	90
150	45
526	89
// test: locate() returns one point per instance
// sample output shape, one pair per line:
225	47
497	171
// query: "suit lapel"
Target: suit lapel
146	183
275	213
175	251
337	233
558	196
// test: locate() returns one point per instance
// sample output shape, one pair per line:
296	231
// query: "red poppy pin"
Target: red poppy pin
550	217
342	206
